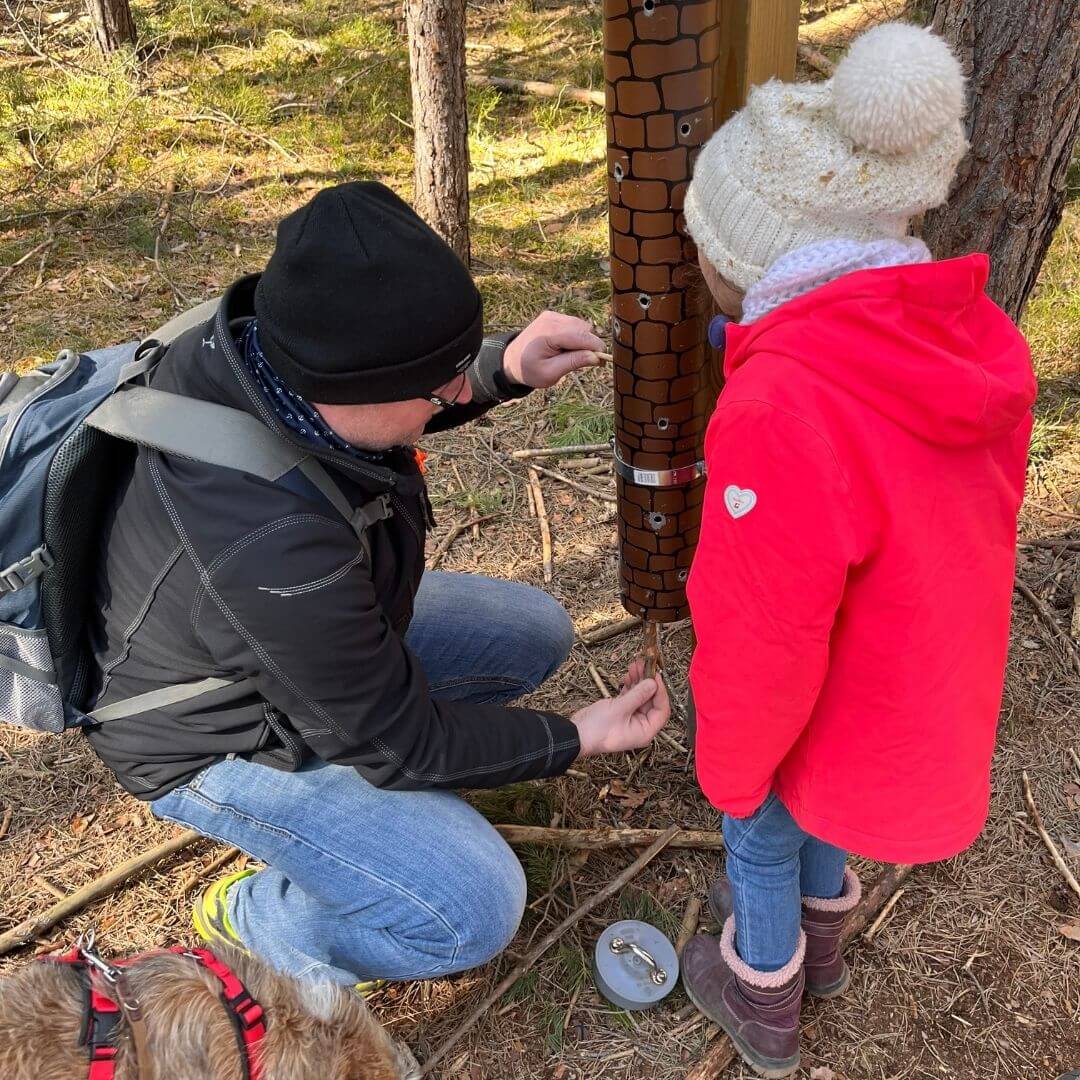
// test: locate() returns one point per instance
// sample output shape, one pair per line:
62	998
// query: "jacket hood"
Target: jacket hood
923	345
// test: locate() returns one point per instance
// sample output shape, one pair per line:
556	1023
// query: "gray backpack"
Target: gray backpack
62	429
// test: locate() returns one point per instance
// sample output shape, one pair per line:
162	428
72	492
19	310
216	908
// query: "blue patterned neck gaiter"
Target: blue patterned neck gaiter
292	410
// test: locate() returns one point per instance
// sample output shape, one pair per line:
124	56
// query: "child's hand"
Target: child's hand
627	722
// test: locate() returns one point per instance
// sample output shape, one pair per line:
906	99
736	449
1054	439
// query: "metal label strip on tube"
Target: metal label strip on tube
656	478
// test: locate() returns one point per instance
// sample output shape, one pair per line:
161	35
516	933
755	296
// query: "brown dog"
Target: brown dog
314	1031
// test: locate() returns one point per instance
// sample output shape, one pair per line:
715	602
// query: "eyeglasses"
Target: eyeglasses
445	403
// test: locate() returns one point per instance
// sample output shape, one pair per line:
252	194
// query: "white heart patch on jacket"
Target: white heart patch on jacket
739	501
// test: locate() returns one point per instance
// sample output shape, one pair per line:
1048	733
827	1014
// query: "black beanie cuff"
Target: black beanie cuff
373	383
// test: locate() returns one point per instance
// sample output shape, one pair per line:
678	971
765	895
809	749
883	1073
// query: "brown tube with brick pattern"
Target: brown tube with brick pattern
660	61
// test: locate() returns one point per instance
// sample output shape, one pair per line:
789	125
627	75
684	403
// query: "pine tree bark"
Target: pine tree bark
113	24
1023	63
437	66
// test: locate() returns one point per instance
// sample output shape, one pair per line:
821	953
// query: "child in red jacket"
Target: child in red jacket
866	463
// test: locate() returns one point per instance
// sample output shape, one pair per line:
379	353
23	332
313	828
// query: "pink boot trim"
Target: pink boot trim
759	980
851	895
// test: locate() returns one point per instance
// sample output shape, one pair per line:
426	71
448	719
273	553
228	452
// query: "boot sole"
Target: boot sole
822	993
770	1068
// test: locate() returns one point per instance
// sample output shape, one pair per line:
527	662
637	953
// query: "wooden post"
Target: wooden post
674	69
437	70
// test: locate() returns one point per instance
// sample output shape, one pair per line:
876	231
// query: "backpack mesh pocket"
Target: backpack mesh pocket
29	695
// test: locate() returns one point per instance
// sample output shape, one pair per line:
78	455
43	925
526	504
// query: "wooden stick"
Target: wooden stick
877	924
538	89
31	928
610	630
598	839
1064	542
1047	617
5	822
450	538
603	357
519	969
1036	820
560	451
653	661
690	919
597	678
192	880
721	1053
1072	753
48	886
816	59
545	526
576	484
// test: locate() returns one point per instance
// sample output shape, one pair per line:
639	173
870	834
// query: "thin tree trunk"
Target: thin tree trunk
437	67
1023	63
113	24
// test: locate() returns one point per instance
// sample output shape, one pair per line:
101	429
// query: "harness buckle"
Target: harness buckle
19	574
379	509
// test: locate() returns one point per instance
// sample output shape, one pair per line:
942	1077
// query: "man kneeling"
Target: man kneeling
354	686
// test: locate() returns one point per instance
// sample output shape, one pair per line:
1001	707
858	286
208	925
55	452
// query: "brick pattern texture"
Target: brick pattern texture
660	72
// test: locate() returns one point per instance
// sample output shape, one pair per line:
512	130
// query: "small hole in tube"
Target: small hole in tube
644	300
656	521
617	172
663	423
616	327
682	575
685	129
649	6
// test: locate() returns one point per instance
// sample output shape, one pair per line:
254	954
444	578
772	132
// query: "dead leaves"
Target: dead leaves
1070	930
629	798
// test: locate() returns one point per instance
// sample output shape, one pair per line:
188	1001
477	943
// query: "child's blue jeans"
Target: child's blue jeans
772	864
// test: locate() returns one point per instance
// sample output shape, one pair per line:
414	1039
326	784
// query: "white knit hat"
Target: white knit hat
856	157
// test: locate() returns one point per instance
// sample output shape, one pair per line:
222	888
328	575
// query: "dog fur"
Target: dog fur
314	1031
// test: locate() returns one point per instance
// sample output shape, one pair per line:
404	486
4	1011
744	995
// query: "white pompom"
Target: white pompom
898	87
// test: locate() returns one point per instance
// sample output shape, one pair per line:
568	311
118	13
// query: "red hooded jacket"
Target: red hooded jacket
852	588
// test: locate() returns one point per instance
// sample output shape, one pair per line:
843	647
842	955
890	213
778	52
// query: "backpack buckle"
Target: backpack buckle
19	574
379	509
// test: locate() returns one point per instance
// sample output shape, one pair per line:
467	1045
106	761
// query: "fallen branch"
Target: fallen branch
29	929
596	839
539	89
721	1053
448	541
690	919
1059	542
560	451
1036	820
879	922
1072	754
667	837
575	484
227	121
1047	617
597	678
5	823
545	526
192	880
610	630
816	59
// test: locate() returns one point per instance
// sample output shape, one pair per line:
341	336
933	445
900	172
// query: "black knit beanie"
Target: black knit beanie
362	302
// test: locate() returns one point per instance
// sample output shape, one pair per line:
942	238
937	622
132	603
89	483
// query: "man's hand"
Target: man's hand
551	346
624	723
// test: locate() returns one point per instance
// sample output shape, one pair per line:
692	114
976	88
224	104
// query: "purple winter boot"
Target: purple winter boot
827	974
758	1009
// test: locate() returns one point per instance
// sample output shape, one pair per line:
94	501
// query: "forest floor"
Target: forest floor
135	187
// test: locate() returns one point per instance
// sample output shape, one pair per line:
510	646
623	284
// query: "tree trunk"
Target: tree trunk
437	67
1023	63
113	24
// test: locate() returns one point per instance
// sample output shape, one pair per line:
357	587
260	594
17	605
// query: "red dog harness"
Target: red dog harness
101	1013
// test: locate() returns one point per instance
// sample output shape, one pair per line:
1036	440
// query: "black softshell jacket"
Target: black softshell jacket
211	572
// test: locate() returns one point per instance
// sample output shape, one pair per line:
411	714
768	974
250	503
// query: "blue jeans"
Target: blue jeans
363	883
772	864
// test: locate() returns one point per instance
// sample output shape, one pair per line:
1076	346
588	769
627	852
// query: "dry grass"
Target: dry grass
968	978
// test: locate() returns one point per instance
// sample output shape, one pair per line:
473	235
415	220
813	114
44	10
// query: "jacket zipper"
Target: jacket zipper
53	382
